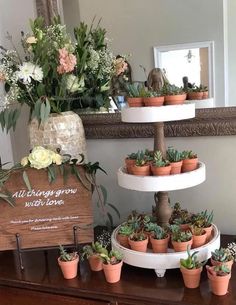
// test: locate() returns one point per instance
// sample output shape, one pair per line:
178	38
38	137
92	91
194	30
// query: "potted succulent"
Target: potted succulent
138	241
124	232
205	92
222	256
160	166
204	220
173	95
159	240
68	263
130	162
153	98
134	97
219	277
199	236
195	93
180	217
191	269
190	161
112	265
180	239
175	158
92	253
141	166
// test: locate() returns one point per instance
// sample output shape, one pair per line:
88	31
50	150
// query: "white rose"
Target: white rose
56	158
24	161
31	40
40	157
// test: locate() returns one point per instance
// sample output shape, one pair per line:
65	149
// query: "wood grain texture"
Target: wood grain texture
56	209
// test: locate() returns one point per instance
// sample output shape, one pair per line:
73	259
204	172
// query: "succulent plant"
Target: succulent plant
196	230
191	262
158	160
138	236
222	255
126	229
179	215
203	219
113	257
220	270
169	89
188	154
133	89
173	155
178	235
65	256
94	248
141	159
132	156
159	233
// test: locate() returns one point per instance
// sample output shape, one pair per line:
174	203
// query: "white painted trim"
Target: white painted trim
203	44
226	52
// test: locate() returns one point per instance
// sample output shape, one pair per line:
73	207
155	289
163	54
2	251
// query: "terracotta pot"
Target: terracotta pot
140	245
219	284
209	232
159	245
199	240
229	264
135	101
156	101
129	163
123	240
191	277
141	170
148	234
195	95
181	246
189	165
184	226
205	95
175	99
112	272
95	262
160	171
176	167
69	269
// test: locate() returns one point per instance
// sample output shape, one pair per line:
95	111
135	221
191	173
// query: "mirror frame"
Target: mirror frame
219	121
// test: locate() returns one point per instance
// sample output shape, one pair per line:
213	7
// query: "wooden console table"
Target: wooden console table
42	283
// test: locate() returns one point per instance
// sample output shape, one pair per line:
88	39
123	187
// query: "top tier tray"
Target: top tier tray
157	114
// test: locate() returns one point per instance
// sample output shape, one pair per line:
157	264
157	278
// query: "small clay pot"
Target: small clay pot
205	95
143	170
156	101
176	167
199	240
69	269
181	246
160	171
95	262
209	232
123	240
191	277
140	245
195	95
135	101
159	245
229	264
189	165
129	163
219	284
175	99
112	272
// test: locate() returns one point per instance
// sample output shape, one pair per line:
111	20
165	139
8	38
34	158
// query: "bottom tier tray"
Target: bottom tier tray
163	261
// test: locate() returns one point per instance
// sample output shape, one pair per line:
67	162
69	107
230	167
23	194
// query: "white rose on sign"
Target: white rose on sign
40	157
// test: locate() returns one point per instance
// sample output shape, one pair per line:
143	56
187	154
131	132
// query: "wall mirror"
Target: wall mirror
192	60
132	32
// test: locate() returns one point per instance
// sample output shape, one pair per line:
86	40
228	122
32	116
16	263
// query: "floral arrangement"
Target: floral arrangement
55	74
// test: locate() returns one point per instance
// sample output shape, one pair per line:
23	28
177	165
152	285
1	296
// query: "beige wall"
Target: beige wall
136	26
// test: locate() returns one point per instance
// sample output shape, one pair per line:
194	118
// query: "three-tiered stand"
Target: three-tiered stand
161	185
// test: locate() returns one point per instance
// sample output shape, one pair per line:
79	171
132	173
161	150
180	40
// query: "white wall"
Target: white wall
135	26
217	193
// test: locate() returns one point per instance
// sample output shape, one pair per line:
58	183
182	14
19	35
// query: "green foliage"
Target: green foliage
169	89
191	262
179	215
196	88
159	233
221	255
173	155
8	118
203	219
113	257
94	248
133	156
65	256
158	160
141	158
138	236
196	230
134	89
188	154
178	235
220	270
126	229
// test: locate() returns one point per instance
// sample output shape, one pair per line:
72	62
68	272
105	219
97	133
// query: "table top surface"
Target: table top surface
42	274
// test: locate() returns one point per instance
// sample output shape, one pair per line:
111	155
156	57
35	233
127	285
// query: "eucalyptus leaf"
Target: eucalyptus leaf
26	180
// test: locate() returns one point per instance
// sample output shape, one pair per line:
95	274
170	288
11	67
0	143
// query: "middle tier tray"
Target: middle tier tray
161	183
158	114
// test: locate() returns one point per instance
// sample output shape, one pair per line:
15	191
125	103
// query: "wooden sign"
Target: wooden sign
45	216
